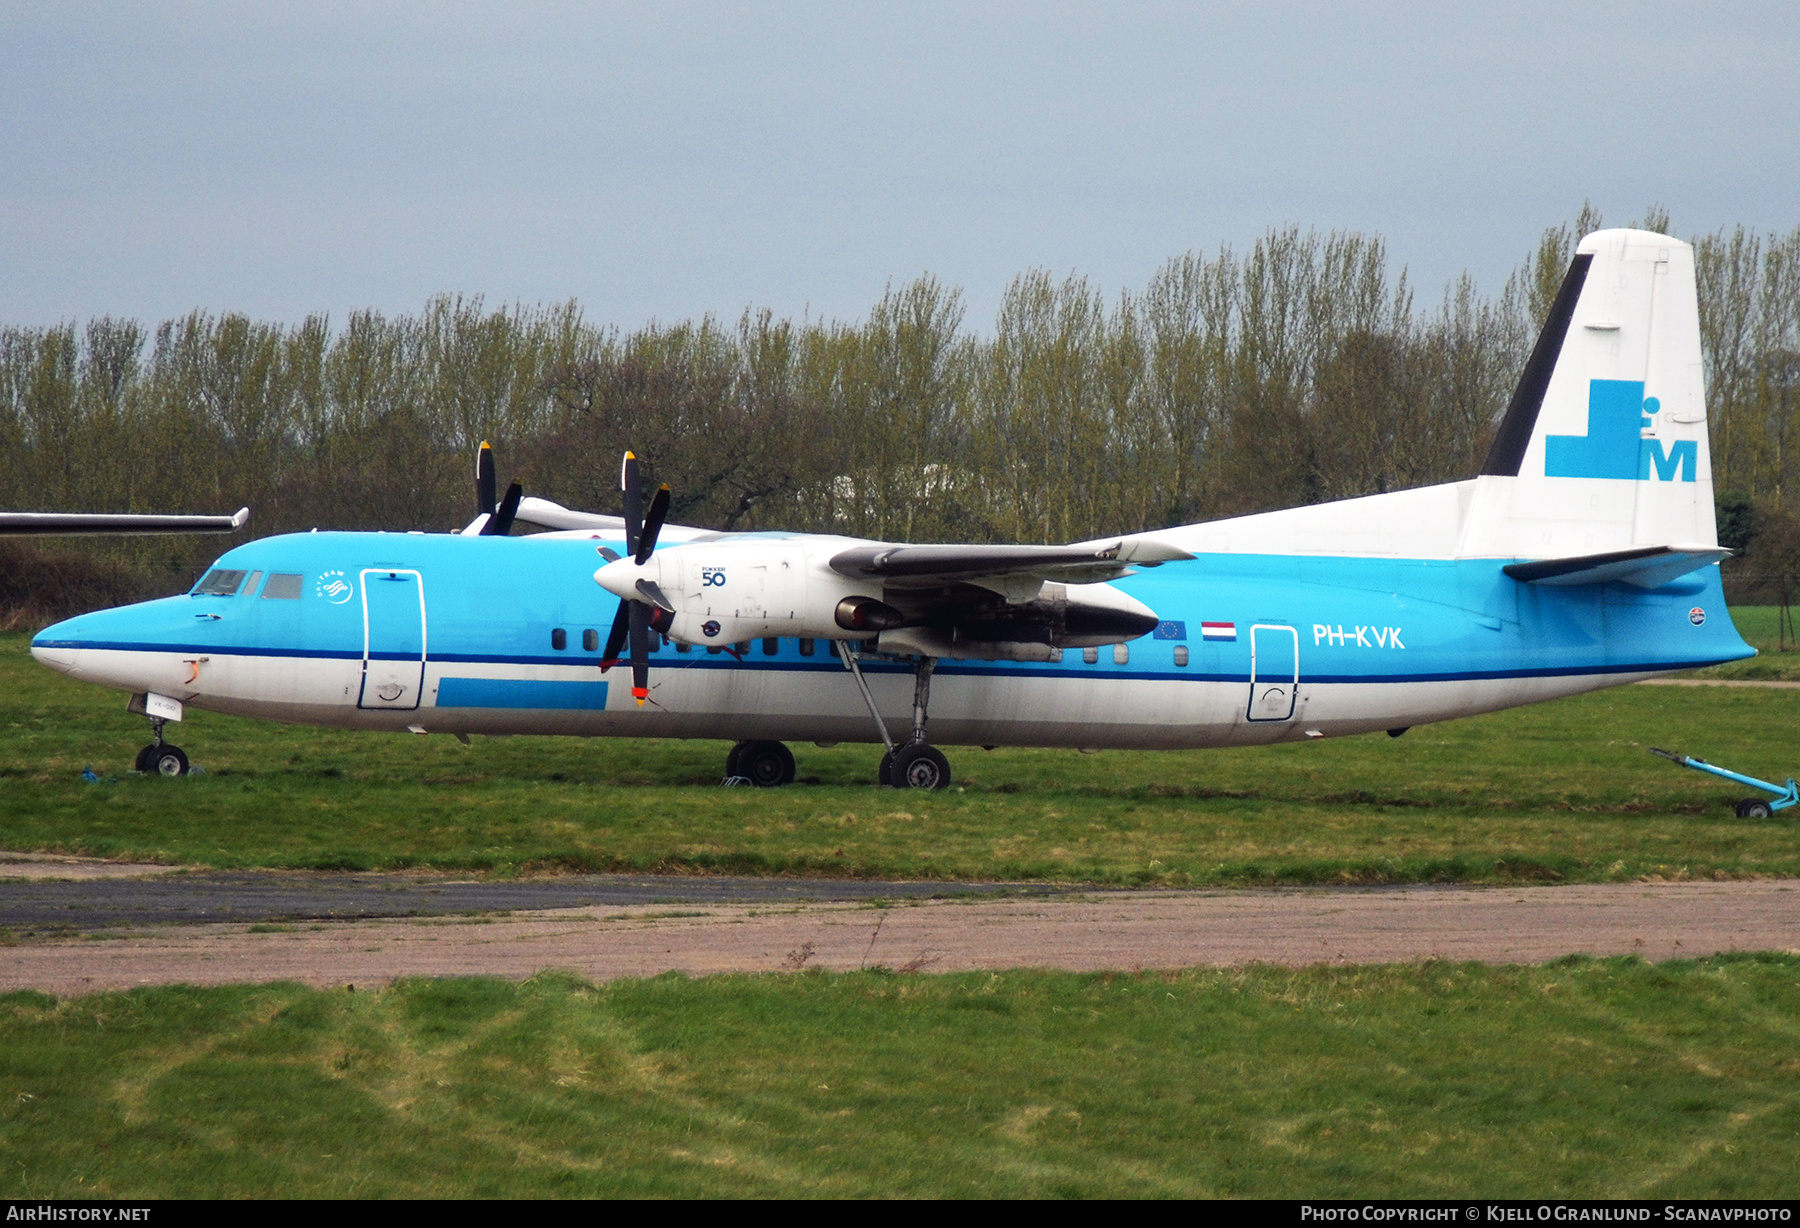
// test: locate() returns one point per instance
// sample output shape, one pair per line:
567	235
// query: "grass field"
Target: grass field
1580	1078
1560	791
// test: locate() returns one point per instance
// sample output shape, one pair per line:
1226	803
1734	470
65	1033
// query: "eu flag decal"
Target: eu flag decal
1171	631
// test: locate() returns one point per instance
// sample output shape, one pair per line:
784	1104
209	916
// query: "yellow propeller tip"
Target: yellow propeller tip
631	456
484	446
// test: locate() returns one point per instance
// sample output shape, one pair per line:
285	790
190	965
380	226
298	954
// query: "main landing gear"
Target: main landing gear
764	764
161	758
915	764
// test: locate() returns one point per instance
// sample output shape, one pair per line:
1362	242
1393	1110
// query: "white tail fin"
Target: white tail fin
1604	445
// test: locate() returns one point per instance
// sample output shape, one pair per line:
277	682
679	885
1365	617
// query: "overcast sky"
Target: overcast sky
662	160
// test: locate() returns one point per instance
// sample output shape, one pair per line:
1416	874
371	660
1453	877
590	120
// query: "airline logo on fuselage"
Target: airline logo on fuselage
1614	446
334	587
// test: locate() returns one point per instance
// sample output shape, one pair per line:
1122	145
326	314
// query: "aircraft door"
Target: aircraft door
393	638
1274	672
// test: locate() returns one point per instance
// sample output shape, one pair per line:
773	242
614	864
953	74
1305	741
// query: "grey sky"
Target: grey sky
667	161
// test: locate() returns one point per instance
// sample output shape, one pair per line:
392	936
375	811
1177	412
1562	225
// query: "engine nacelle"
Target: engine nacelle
724	592
730	591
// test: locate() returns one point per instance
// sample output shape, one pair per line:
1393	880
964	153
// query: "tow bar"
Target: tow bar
1750	807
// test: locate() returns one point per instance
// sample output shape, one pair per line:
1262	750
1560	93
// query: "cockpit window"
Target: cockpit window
283	587
219	582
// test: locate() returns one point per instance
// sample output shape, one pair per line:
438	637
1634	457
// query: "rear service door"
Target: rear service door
393	638
1274	672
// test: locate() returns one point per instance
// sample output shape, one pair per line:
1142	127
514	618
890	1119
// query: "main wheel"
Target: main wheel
169	761
766	764
734	760
1753	808
146	758
919	766
883	774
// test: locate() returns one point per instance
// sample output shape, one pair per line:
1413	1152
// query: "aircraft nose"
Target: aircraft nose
58	647
62	660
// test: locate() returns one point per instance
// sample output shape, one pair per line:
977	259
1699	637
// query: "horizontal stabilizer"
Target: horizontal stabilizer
68	524
1644	566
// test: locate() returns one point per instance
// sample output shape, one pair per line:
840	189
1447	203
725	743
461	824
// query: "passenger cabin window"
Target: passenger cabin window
590	640
1090	655
806	648
680	647
219	582
1121	654
559	639
1181	654
771	645
282	587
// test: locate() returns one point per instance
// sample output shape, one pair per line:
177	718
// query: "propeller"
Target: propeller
649	611
500	513
485	499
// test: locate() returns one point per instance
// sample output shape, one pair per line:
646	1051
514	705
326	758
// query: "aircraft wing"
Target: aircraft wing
927	566
554	516
1645	566
45	524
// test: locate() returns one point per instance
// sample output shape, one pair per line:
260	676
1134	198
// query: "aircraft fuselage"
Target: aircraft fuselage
497	635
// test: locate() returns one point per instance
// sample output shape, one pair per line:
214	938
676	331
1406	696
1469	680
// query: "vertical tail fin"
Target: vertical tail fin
1604	445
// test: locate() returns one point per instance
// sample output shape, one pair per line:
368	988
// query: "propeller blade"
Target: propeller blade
615	639
653	523
633	488
640	652
484	480
501	522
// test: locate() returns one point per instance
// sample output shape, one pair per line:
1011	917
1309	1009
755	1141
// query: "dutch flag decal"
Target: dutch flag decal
1218	631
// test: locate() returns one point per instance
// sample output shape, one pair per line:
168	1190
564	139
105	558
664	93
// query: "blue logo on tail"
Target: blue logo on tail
1613	447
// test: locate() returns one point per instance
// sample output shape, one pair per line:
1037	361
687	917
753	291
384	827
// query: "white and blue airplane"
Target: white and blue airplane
1583	556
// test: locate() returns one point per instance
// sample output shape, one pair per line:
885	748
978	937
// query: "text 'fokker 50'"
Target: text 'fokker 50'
1583	556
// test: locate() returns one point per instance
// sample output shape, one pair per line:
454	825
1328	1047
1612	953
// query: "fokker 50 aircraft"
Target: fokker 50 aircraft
1583	556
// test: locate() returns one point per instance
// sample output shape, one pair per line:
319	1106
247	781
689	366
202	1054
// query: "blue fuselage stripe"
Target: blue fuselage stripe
519	693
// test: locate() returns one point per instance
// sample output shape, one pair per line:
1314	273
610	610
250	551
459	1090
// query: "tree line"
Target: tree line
1306	368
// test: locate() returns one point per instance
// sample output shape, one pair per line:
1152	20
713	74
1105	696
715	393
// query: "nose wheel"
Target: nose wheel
161	758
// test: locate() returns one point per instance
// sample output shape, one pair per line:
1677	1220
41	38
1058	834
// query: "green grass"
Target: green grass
1578	1079
1757	624
1560	791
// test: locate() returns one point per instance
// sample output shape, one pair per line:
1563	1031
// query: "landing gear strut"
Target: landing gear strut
914	764
161	758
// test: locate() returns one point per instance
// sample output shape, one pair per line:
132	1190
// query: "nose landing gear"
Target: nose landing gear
161	758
